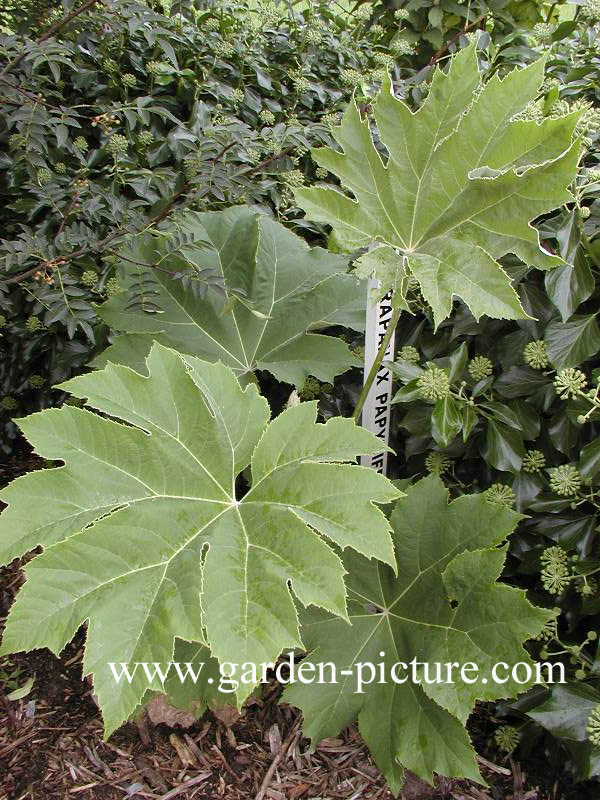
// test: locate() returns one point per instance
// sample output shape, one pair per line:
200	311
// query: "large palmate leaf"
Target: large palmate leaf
443	606
276	289
456	191
146	535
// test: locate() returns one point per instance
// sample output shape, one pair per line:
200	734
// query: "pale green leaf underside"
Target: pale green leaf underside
444	552
461	182
143	535
292	288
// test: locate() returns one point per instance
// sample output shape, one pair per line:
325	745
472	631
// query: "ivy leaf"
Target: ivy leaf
446	420
272	290
589	460
150	540
570	343
564	714
448	563
457	188
505	447
571	285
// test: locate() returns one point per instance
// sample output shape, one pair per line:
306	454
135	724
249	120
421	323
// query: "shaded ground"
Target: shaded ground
51	744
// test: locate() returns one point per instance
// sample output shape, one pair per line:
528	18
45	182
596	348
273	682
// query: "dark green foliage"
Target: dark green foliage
127	115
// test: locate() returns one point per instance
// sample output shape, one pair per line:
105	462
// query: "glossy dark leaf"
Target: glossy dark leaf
505	447
589	461
564	714
446	420
570	285
571	343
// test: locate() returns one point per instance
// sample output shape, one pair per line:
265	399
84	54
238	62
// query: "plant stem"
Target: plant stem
377	363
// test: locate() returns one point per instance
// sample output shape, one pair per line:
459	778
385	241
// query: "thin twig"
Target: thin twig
436	56
281	754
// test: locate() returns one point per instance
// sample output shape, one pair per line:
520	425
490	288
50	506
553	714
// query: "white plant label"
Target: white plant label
376	413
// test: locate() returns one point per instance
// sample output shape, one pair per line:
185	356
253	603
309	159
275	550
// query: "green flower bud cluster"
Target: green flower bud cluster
410	354
533	461
364	11
2	321
402	47
191	166
128	80
585	212
555	573
36	381
593	175
117	145
271	15
542	32
89	278
565	480
81	144
499	494
268	117
536	354
593	726
321	173
351	77
554	557
480	367
9	403
547	633
587	587
401	14
223	49
301	83
378	74
533	112
437	463
153	67
237	97
549	84
145	138
434	383
590	11
507	738
212	24
44	176
110	65
16	141
569	382
312	388
589	123
272	147
384	60
112	287
293	178
61	168
331	120
33	324
313	36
